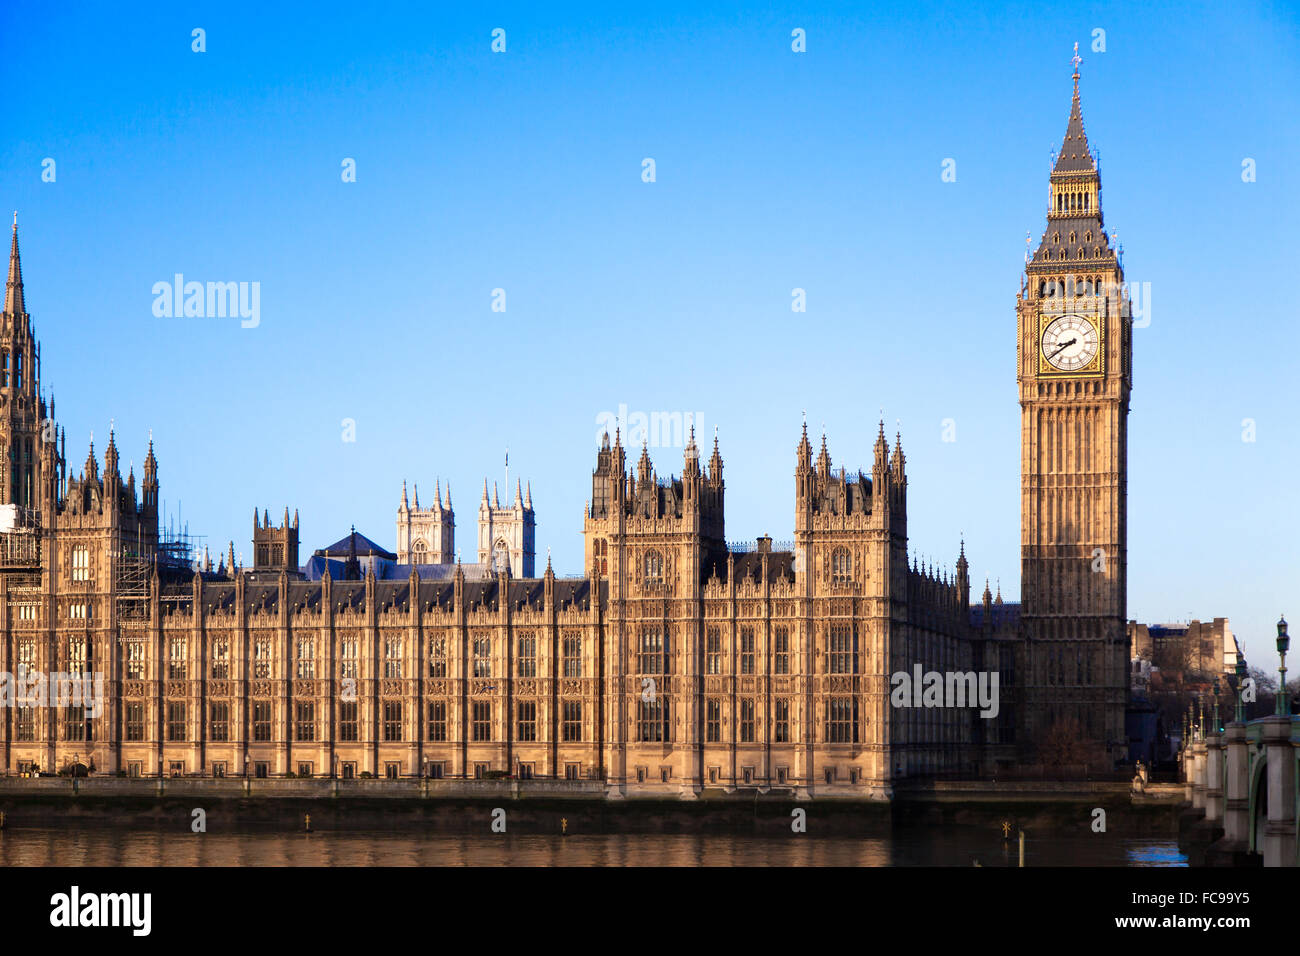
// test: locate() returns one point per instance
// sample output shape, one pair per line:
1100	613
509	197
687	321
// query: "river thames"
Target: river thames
954	846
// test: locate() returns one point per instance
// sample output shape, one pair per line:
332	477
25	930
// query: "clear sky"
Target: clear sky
775	170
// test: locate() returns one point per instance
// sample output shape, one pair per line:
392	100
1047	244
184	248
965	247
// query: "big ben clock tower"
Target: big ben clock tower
1074	369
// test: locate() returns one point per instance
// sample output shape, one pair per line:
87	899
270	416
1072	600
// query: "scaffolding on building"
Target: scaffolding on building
174	553
20	539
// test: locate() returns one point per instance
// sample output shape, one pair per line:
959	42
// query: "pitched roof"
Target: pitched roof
342	548
1075	156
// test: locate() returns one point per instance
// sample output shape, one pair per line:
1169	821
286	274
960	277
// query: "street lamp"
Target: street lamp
1283	644
1241	680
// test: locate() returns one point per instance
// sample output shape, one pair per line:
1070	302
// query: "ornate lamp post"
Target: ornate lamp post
1283	645
1241	680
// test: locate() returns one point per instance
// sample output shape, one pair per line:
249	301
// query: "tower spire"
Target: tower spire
14	285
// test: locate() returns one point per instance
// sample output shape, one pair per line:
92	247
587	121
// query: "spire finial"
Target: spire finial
15	220
1076	60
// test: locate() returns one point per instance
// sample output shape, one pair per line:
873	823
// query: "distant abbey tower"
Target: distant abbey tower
426	535
507	536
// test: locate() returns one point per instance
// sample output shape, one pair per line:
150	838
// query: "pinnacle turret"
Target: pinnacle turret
14	285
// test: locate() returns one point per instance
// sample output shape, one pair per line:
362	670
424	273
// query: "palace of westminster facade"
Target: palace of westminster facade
677	663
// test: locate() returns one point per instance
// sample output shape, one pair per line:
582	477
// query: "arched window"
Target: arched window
4	369
654	567
18	369
419	553
841	566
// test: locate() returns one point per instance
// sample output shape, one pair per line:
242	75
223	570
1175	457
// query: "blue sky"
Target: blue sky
774	170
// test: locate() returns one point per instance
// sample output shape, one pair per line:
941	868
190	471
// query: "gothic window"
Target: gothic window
262	658
18	370
652	721
713	650
220	660
842	720
306	661
175	720
572	724
219	725
843	650
747	720
654	567
134	722
482	657
781	721
438	657
600	556
527	663
841	566
393	657
572	655
747	650
712	720
81	563
176	659
304	720
347	659
4	368
135	661
501	556
418	552
527	712
262	720
438	720
652	651
74	723
781	650
1072	235
482	720
392	720
348	724
1087	236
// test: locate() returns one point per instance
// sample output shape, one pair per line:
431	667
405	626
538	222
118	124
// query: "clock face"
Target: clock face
1070	343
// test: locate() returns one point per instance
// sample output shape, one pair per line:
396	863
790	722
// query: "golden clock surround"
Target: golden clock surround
1096	368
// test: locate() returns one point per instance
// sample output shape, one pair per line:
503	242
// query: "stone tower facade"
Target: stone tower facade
27	440
507	536
1074	370
275	549
426	535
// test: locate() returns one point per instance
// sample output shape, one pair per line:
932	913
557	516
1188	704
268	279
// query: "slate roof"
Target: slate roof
342	548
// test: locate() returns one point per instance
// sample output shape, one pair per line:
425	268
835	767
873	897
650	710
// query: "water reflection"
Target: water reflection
931	847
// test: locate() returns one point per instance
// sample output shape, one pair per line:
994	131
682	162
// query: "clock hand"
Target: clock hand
1064	345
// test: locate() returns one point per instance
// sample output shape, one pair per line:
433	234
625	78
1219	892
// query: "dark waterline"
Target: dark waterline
954	846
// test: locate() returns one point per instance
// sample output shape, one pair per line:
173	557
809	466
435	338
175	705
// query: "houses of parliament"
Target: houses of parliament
677	662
